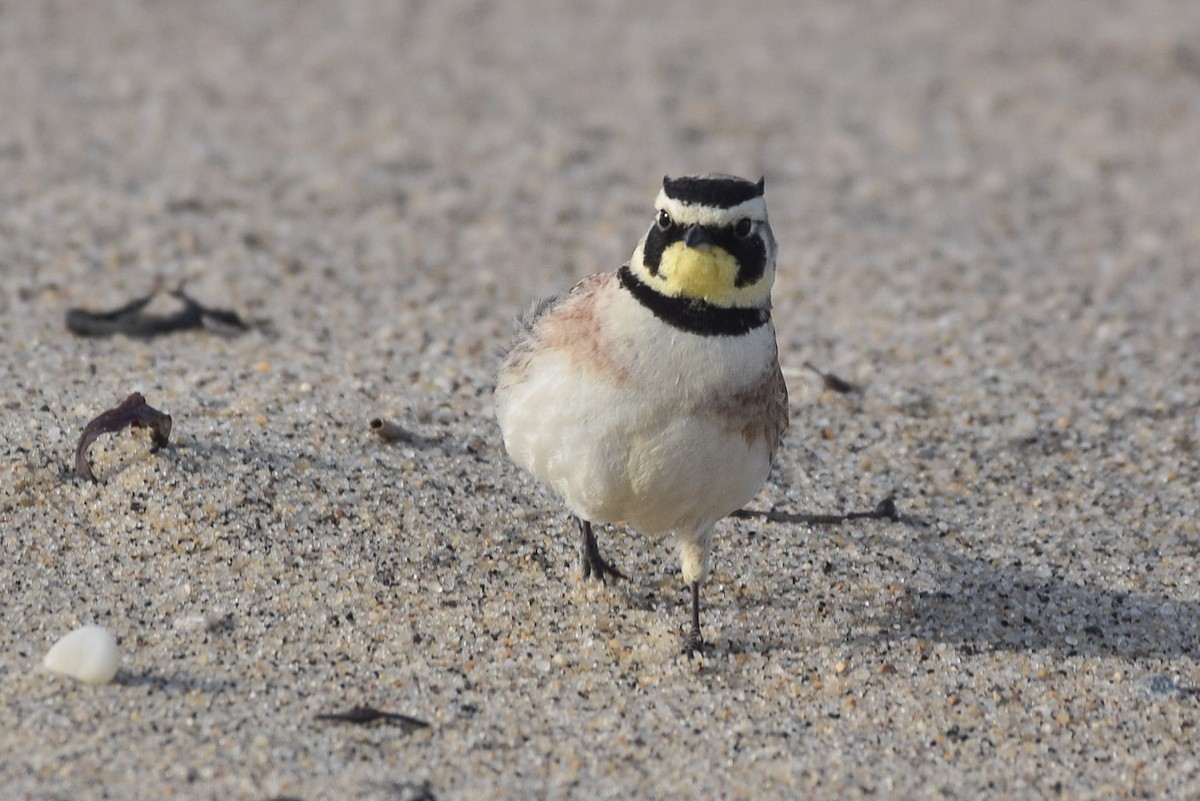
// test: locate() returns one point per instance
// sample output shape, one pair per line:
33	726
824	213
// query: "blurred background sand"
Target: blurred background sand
989	218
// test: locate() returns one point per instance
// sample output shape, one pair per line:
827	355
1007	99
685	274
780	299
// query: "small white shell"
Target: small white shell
88	654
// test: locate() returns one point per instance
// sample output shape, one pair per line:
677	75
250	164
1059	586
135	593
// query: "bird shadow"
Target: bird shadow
979	606
989	608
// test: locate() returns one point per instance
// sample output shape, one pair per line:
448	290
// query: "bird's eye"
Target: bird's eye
743	227
664	220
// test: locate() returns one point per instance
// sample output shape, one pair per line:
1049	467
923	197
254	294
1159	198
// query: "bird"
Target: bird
652	395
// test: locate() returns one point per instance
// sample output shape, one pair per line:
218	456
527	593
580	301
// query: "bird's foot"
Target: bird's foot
693	644
594	565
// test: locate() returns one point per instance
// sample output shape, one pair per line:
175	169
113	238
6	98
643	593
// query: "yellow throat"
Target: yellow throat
707	273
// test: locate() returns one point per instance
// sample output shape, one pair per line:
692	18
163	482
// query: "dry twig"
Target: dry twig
388	431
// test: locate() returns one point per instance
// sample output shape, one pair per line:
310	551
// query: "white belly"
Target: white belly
617	453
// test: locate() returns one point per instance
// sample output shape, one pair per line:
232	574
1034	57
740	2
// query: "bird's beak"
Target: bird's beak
696	236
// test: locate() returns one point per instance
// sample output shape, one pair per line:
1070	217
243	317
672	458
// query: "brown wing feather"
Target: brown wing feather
559	321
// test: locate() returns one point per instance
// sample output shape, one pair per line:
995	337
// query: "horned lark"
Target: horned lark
652	395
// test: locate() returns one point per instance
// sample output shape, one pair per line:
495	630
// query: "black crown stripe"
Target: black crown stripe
689	314
720	191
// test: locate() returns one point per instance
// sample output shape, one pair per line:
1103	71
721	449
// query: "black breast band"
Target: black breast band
697	316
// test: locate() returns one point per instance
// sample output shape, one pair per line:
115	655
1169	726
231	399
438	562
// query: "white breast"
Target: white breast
632	441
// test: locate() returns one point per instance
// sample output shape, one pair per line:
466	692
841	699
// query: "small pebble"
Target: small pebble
1157	686
88	654
196	622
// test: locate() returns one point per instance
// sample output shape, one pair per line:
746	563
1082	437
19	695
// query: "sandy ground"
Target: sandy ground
989	219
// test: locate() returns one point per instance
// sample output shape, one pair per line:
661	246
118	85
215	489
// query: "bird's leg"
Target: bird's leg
694	642
594	565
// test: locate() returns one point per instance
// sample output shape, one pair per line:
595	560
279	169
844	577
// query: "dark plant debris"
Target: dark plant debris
132	321
133	412
362	715
834	383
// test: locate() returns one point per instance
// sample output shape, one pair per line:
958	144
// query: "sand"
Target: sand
989	221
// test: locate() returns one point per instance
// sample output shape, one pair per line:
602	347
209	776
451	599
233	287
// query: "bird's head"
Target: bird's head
710	241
